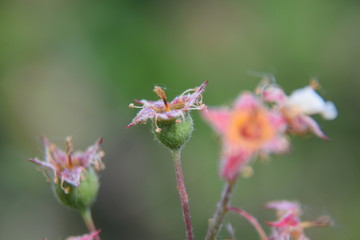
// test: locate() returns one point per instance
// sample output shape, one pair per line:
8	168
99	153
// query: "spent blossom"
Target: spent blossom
288	224
298	106
69	166
191	99
246	129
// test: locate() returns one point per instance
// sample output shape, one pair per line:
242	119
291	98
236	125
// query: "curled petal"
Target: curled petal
305	123
289	220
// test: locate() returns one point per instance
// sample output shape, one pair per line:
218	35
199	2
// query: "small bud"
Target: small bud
78	198
173	134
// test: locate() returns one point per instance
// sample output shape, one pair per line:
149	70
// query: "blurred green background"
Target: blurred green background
72	68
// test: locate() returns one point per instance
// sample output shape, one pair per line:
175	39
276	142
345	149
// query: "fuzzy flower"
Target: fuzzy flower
289	226
246	129
69	166
298	107
191	99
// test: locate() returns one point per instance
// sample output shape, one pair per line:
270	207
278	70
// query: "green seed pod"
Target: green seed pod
173	133
82	197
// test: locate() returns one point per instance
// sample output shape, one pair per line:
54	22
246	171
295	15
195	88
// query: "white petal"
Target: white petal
309	102
330	111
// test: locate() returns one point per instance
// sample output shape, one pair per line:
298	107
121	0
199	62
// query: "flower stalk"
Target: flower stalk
87	217
251	220
183	193
221	210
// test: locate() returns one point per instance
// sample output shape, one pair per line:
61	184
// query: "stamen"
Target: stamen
157	129
69	150
161	93
66	189
314	84
131	105
56	180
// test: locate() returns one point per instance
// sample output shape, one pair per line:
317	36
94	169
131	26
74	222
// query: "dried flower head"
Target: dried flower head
69	166
289	225
247	129
298	107
159	110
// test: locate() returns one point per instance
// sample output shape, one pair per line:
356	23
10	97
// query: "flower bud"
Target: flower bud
81	197
173	133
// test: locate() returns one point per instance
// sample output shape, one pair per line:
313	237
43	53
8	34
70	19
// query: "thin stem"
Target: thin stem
252	220
183	194
221	210
86	215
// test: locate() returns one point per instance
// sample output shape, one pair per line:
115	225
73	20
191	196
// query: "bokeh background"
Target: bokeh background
72	68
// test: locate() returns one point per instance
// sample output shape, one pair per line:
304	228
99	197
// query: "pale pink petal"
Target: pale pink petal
170	115
142	116
88	156
52	153
283	205
192	98
246	101
72	176
218	118
42	164
274	94
277	120
312	125
279	144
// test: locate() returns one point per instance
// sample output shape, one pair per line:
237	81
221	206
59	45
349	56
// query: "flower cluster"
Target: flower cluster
69	166
258	122
246	129
298	106
289	225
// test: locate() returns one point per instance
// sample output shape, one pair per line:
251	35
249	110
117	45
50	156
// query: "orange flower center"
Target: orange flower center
250	128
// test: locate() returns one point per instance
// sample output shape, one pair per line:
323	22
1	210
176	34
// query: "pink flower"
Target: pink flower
68	166
298	107
164	110
289	226
247	129
90	236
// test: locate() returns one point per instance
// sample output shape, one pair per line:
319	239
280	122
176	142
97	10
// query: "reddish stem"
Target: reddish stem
251	219
183	194
221	210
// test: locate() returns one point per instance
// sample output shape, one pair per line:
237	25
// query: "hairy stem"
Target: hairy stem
183	194
221	210
252	220
86	215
